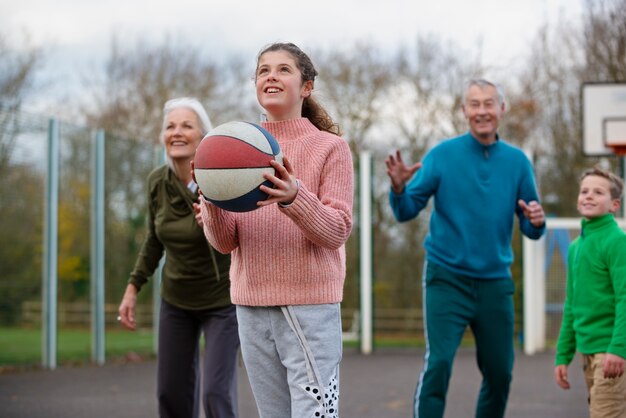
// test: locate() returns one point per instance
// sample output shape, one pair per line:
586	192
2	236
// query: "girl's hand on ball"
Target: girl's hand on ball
285	184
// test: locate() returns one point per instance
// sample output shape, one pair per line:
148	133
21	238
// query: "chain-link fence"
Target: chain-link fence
22	183
24	175
397	251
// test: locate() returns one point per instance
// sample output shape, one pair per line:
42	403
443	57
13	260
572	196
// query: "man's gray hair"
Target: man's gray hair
481	82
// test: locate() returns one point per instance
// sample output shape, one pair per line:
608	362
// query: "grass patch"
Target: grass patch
23	346
404	341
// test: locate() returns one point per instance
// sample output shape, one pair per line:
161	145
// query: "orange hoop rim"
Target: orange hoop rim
618	149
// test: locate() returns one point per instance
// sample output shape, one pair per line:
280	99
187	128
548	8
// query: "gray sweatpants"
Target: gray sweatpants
292	357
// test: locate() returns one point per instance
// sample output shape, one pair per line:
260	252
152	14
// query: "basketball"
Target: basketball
230	162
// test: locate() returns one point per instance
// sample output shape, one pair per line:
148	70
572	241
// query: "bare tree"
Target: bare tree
139	79
354	83
432	80
20	218
561	59
18	67
127	101
604	39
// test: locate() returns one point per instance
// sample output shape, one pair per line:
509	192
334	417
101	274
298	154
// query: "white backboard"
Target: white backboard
603	117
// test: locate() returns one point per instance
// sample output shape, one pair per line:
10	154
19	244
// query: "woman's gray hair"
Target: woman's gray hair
191	104
187	103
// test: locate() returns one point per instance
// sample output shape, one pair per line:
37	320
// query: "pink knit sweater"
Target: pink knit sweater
293	255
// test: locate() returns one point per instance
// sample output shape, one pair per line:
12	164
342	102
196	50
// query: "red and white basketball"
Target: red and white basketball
230	162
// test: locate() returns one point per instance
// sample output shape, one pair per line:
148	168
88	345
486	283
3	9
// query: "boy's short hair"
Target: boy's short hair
617	184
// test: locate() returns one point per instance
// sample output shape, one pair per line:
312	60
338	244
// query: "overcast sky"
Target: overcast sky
77	33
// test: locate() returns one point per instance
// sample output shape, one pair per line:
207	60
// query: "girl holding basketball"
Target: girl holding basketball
288	256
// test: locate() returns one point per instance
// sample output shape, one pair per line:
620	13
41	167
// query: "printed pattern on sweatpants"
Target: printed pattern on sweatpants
329	407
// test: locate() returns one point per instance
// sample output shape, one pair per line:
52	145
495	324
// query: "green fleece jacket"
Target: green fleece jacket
194	275
594	317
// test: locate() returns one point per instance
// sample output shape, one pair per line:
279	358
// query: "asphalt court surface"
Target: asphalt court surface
380	385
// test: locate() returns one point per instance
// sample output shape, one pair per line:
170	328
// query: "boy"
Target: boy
594	317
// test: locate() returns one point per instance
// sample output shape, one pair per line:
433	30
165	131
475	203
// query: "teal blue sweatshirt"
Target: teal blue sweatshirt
594	316
476	189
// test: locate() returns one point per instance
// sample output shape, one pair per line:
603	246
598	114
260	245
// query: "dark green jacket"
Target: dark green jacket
195	276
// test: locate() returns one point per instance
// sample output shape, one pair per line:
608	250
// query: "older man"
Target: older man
479	182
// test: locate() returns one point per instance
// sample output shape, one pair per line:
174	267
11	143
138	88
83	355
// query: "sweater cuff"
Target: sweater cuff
286	205
138	283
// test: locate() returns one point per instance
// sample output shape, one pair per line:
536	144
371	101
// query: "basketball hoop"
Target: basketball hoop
603	118
614	134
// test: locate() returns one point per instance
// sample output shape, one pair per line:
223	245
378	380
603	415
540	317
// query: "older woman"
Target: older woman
195	283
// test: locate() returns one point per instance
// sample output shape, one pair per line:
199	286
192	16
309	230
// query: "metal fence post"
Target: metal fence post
365	216
534	295
97	248
159	159
50	248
